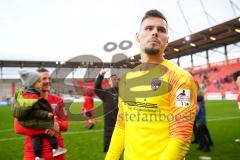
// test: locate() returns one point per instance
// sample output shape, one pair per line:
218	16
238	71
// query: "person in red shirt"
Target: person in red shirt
87	110
60	123
238	101
236	78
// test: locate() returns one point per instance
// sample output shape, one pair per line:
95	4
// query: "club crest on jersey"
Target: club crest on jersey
156	83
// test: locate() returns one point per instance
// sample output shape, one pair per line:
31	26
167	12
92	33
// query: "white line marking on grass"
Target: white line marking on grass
6	130
64	133
82	132
10	139
221	119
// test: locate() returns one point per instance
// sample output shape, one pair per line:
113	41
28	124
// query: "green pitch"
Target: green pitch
223	123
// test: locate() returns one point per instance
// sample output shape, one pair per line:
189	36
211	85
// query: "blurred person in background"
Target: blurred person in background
195	133
236	78
60	123
33	111
87	110
203	135
110	101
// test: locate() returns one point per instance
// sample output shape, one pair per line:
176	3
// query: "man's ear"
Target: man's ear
137	37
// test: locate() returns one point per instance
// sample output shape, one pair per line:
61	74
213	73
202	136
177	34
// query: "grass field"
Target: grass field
83	144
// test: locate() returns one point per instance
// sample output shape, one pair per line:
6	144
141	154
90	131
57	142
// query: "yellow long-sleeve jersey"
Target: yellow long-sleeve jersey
157	106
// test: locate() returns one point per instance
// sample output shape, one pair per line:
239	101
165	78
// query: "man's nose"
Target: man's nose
47	80
155	32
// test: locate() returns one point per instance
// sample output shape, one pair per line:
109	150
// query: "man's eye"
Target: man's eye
162	30
149	28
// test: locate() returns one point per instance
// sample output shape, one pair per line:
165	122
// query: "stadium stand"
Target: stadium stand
217	78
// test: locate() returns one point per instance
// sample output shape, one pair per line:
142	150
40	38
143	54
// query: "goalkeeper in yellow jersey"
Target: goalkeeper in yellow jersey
157	101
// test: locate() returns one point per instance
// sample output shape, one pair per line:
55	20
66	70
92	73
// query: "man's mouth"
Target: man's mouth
154	41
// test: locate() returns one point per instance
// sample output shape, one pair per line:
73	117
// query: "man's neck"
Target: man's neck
156	59
44	94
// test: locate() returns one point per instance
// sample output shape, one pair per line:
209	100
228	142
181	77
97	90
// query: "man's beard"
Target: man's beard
152	51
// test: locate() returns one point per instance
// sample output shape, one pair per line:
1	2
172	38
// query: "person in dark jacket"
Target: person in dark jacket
204	138
33	111
195	133
110	104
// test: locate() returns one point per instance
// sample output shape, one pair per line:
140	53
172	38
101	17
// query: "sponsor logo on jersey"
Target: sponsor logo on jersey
140	104
183	98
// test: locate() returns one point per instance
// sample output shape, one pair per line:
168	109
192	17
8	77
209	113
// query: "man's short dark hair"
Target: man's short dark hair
154	13
236	75
42	69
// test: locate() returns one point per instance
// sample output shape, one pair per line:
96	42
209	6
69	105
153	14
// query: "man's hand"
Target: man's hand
56	127
51	132
102	72
50	115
